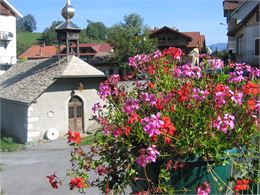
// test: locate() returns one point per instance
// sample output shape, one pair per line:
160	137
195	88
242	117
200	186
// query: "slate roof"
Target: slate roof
25	82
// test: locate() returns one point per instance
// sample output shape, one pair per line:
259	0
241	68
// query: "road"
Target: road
24	172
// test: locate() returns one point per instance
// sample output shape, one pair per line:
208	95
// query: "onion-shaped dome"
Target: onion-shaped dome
68	11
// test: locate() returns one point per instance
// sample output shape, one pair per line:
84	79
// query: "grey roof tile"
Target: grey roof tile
25	82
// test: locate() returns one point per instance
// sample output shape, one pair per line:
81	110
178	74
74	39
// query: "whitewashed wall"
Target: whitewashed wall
8	55
50	111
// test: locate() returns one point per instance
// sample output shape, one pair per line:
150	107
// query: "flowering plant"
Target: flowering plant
170	113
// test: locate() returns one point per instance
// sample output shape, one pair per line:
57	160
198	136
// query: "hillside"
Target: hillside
26	40
218	46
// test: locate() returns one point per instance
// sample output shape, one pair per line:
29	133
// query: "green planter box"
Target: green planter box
196	173
185	180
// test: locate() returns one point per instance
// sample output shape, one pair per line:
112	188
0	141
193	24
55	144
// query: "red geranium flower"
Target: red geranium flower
150	85
241	185
77	182
168	128
251	104
127	130
133	118
251	88
74	137
54	181
175	53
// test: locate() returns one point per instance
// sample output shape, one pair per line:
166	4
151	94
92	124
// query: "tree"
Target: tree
130	38
96	31
49	36
27	23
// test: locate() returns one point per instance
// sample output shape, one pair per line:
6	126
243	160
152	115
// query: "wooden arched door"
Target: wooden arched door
76	122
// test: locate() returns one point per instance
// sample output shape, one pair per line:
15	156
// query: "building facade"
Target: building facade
46	98
8	16
192	43
244	32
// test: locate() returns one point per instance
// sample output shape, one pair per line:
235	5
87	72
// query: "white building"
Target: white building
43	98
8	16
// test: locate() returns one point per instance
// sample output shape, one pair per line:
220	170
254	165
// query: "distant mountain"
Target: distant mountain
218	46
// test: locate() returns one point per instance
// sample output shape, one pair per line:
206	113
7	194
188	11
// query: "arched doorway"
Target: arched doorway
76	122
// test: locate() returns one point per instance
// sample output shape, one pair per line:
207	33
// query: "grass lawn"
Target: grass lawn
88	140
26	40
8	145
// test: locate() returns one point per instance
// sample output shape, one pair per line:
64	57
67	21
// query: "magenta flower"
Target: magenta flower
114	79
150	98
138	60
217	64
224	123
177	72
117	132
237	98
152	153
157	54
203	189
236	77
187	70
221	94
152	125
255	72
131	105
199	94
104	90
147	155
96	107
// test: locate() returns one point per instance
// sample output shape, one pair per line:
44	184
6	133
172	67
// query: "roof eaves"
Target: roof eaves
167	28
16	101
232	31
17	13
238	7
79	76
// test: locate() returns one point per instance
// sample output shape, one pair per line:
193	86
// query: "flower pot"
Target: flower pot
152	173
195	173
186	180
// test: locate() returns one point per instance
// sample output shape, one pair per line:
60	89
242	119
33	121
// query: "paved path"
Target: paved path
24	172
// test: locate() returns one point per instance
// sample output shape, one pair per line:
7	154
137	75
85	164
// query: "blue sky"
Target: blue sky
186	15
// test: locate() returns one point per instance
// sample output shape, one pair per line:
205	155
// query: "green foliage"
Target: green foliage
96	31
88	140
223	54
130	38
49	36
26	40
7	144
26	24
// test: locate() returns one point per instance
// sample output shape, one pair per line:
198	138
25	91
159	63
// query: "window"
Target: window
257	47
111	71
71	112
257	16
79	111
239	45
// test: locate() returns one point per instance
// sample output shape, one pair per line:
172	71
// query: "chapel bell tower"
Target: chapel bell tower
67	32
